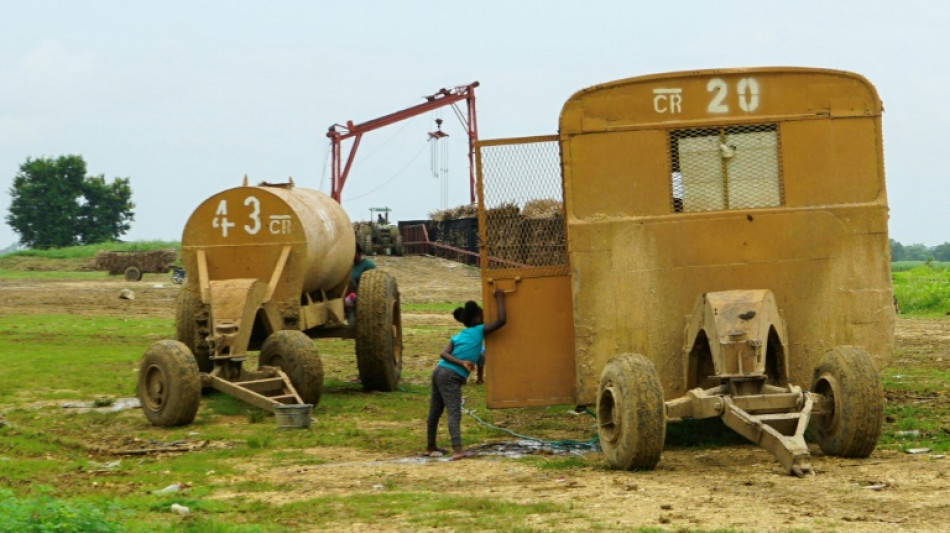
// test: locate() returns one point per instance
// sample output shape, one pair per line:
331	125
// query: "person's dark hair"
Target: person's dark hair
467	314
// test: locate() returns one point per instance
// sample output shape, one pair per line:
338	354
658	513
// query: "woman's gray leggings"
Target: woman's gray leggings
446	395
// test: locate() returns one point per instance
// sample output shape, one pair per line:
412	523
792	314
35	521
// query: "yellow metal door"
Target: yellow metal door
530	361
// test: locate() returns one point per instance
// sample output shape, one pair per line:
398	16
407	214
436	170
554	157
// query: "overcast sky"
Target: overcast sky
185	98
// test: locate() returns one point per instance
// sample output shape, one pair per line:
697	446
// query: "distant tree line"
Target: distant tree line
919	252
53	204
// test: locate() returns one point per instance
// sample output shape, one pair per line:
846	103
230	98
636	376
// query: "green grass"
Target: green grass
73	262
917	401
90	250
923	290
49	274
43	513
72	358
431	307
58	351
51	359
903	266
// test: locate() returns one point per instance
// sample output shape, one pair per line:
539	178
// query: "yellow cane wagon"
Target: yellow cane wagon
718	249
271	266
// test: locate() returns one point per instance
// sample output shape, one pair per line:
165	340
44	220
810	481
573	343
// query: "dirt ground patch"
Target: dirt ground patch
737	486
421	280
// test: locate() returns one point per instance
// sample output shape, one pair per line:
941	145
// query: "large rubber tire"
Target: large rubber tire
378	331
132	274
293	352
169	386
187	307
631	416
366	245
397	248
847	376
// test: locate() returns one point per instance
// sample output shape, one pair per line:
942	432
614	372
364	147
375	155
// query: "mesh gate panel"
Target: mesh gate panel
522	195
732	167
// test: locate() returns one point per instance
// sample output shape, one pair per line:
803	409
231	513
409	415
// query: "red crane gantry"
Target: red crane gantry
338	133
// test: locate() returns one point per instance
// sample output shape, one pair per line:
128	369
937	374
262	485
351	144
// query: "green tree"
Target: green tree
897	251
54	204
941	252
916	252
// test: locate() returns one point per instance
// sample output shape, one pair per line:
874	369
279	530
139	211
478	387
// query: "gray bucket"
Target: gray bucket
295	416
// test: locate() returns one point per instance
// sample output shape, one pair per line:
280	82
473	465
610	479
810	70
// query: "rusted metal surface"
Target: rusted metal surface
737	340
445	97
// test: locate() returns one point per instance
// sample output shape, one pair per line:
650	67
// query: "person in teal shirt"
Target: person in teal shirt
458	359
480	365
360	265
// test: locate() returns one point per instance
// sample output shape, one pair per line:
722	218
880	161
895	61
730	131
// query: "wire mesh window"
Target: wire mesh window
524	213
731	167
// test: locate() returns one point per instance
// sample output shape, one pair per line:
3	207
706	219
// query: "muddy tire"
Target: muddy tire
397	247
631	416
366	245
847	376
293	352
188	307
132	274
169	386
378	331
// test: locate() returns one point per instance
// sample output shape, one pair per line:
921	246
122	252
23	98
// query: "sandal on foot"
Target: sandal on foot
438	452
463	455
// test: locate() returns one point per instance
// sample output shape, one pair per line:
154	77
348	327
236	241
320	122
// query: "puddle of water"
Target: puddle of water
521	448
118	405
511	450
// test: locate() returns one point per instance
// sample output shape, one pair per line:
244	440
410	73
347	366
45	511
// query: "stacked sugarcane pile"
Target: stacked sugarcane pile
455	213
456	227
147	261
532	235
542	232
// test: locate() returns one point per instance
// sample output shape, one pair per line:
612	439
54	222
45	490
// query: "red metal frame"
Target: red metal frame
338	133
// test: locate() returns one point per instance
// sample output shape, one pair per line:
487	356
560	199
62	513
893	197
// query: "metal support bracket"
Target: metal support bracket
775	421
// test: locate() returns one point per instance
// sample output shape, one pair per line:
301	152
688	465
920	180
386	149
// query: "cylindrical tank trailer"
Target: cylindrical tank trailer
269	268
246	229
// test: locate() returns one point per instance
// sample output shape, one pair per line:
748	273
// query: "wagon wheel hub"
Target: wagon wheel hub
155	387
608	413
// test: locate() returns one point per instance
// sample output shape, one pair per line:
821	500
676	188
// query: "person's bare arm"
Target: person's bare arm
447	355
502	316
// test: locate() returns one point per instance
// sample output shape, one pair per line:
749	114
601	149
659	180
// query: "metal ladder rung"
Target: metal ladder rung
283	399
263	385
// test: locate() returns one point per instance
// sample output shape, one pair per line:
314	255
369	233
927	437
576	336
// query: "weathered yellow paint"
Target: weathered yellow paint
638	267
296	241
532	358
